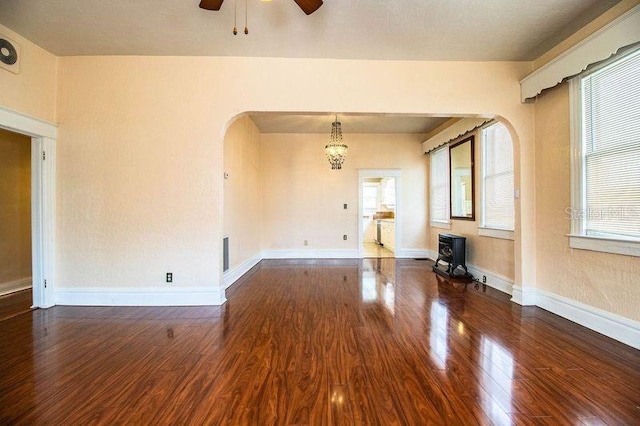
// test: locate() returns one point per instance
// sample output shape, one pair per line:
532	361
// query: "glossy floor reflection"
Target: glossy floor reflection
374	250
374	341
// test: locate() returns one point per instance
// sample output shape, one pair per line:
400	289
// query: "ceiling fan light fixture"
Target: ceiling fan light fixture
211	4
307	6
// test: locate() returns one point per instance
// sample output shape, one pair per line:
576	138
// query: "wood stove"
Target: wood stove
451	250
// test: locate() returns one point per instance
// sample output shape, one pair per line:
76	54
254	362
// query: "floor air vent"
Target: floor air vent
225	254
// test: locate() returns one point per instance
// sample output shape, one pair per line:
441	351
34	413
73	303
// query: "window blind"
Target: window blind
440	185
498	203
611	147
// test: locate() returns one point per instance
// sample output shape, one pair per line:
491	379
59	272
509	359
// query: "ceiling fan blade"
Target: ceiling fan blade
211	4
308	6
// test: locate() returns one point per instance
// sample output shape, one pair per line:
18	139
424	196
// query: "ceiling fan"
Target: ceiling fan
307	6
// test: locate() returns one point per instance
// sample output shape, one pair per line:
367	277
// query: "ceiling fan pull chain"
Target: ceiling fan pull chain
235	17
246	14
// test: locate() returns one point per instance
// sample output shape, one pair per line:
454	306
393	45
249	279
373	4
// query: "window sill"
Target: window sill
605	245
496	233
441	225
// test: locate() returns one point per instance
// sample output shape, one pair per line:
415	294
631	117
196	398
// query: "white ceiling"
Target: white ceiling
351	123
364	29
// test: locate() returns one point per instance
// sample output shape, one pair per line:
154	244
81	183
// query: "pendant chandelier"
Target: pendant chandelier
336	150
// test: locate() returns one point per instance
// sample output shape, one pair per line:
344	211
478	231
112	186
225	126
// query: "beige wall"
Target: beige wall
303	198
493	255
139	174
15	207
605	281
242	191
140	155
33	89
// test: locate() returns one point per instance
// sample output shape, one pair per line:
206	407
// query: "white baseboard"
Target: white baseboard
498	282
524	295
188	296
232	275
413	254
611	325
15	285
310	254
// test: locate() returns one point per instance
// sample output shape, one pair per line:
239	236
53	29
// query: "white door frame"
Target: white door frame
43	199
380	173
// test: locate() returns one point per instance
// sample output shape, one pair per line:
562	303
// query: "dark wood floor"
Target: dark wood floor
318	342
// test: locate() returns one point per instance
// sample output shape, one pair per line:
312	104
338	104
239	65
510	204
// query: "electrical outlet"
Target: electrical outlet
169	277
306	242
344	237
484	278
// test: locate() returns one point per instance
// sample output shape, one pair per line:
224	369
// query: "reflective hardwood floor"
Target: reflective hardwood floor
316	342
375	250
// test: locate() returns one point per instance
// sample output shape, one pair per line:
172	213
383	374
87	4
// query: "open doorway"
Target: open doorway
16	294
378	217
42	136
378	233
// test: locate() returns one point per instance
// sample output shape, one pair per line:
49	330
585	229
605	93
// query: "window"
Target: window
497	182
440	187
370	197
606	164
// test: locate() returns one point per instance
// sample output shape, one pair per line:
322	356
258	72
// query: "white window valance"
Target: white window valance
623	31
457	129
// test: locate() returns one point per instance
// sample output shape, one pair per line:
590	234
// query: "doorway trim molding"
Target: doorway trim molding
43	199
380	173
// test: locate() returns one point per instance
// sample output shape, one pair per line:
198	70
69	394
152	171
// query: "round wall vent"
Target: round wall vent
9	54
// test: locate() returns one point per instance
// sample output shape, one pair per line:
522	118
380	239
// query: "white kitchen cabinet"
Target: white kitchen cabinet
369	228
392	237
384	234
388	235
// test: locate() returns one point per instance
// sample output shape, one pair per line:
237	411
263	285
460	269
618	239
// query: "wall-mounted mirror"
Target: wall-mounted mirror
462	188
